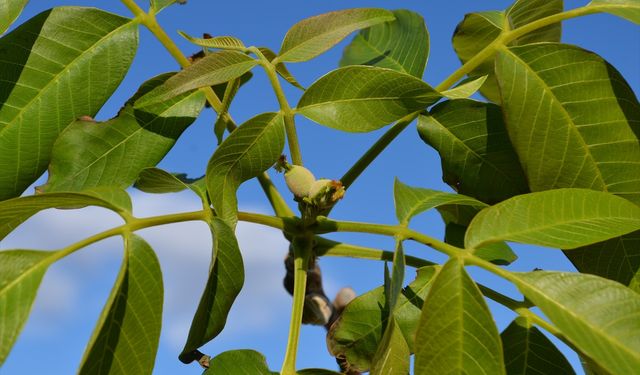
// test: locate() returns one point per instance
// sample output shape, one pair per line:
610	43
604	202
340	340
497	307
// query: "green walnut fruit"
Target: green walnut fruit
299	180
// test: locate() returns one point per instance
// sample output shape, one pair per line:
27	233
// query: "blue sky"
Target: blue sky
75	289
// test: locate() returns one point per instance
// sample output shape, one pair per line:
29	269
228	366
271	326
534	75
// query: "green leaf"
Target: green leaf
397	277
250	150
401	45
220	42
466	88
9	11
478	30
312	36
226	277
598	316
627	9
214	68
281	69
497	253
126	337
224	120
529	351
21	272
358	331
158	181
392	356
89	154
317	371
158	5
456	333
411	201
578	124
363	98
561	218
477	157
239	362
14	212
616	259
76	58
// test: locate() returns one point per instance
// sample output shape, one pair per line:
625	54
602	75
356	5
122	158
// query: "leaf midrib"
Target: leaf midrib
571	125
346	100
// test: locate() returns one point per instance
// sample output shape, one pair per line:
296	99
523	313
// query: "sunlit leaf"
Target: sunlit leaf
21	272
362	98
281	69
250	150
14	212
478	30
158	181
220	42
226	277
214	68
75	58
456	333
312	36
466	88
627	9
561	218
401	44
397	277
357	333
600	317
9	11
529	351
89	154
126	337
239	362
579	123
393	353
477	157
411	201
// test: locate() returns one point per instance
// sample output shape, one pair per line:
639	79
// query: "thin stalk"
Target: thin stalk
302	247
149	21
285	108
133	225
376	149
285	224
507	37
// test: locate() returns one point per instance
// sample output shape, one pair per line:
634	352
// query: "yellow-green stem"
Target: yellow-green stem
302	248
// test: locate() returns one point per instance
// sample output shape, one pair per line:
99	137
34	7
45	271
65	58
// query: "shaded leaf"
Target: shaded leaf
616	259
112	153
478	30
226	277
600	317
76	58
529	351
579	125
21	272
214	68
14	212
126	337
312	36
224	121
411	201
496	253
316	371
456	333
281	69
362	98
627	9
250	150
392	356
477	157
239	362
466	88
397	277
358	331
158	181
561	218
220	42
158	5
9	11
401	44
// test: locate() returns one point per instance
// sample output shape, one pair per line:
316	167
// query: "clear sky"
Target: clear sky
75	289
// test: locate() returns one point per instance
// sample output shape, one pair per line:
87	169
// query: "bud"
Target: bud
324	193
299	180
